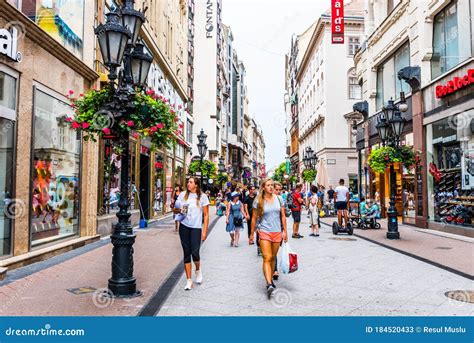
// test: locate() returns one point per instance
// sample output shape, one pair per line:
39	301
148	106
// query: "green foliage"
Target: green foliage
222	178
206	167
151	117
279	173
309	175
381	158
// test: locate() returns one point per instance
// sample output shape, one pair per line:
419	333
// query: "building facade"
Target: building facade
435	41
326	94
48	175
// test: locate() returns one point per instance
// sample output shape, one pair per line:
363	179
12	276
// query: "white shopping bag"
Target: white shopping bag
288	259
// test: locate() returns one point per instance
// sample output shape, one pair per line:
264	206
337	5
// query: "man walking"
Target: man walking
296	202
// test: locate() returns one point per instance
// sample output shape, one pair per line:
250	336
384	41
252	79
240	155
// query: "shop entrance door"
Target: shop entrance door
145	186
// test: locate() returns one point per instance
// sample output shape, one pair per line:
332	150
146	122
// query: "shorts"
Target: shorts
341	205
296	216
274	237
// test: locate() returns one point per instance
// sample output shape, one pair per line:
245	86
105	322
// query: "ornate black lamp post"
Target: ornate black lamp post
310	159
221	169
118	45
390	127
202	149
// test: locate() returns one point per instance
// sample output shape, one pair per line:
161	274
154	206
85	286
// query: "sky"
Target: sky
262	32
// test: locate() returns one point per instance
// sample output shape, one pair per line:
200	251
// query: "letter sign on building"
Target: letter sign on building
9	43
337	21
455	84
209	19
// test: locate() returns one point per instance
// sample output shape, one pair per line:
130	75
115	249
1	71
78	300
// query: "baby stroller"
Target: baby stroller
370	221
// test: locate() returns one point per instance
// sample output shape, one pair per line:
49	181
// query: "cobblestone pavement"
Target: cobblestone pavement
335	278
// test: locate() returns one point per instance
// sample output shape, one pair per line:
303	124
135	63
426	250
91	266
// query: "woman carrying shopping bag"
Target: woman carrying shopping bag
193	207
235	219
268	217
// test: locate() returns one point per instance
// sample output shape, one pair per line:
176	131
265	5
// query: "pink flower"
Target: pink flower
82	94
85	125
130	123
68	119
172	112
135	135
159	165
76	125
150	92
160	126
155	96
153	129
70	92
106	130
386	158
181	125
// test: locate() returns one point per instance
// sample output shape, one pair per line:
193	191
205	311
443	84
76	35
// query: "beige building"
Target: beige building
56	192
327	89
48	176
432	42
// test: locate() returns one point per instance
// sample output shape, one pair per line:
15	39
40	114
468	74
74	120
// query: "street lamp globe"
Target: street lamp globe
113	39
132	19
389	110
314	160
397	124
202	147
140	64
382	128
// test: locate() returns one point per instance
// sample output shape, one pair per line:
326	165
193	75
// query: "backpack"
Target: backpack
289	201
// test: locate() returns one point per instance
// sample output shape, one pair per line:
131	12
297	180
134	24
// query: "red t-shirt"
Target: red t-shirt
296	203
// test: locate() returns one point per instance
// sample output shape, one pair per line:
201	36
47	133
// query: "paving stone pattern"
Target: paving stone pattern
335	278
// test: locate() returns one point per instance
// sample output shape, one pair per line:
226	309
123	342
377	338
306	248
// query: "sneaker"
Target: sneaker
198	277
270	290
189	285
300	236
312	235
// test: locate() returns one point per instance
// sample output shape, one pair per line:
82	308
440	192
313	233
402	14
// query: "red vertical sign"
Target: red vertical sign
337	21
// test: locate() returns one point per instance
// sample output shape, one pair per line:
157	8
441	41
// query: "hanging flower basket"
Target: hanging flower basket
309	175
150	116
380	159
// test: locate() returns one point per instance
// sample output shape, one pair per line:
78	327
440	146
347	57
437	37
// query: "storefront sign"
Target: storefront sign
331	161
337	21
9	43
455	84
419	190
209	19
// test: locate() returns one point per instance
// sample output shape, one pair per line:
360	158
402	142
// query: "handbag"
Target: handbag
238	221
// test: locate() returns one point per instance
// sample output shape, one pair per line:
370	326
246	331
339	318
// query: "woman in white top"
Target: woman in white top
194	207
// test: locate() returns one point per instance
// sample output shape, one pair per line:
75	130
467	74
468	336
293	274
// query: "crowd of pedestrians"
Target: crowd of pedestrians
263	212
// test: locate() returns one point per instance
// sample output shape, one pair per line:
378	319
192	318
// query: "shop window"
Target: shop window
451	37
56	177
63	20
6	185
450	161
7	95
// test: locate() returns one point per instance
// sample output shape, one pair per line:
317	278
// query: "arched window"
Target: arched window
354	87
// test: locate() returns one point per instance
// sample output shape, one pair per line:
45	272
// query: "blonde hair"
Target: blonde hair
261	198
198	191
